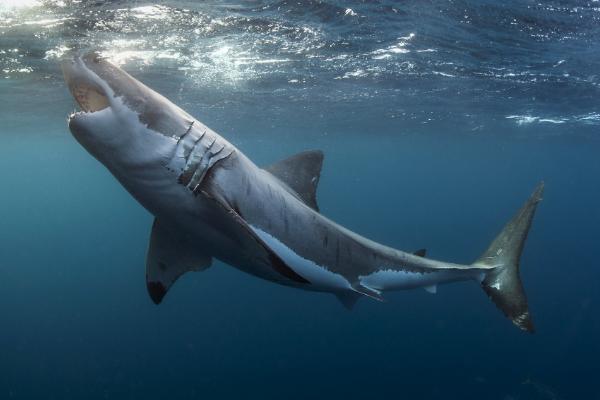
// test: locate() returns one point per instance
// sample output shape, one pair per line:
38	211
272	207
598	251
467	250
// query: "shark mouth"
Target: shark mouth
84	86
90	98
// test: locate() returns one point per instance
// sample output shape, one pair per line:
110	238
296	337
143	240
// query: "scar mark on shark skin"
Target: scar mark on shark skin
193	157
188	152
198	156
189	129
205	164
182	149
198	187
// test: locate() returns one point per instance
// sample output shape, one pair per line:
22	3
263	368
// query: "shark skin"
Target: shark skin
211	201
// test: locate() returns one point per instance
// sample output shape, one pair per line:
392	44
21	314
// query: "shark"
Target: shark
210	201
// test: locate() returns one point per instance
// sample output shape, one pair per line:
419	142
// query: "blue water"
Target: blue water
437	119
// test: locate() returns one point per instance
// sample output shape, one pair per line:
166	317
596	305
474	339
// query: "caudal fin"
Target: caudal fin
503	283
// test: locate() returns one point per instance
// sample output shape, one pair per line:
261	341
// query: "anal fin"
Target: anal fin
170	255
431	289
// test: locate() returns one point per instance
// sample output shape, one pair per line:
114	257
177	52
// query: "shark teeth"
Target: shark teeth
75	113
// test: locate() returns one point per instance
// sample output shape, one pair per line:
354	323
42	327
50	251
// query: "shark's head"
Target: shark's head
116	109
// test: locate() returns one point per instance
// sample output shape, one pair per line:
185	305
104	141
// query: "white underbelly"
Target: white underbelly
320	278
388	279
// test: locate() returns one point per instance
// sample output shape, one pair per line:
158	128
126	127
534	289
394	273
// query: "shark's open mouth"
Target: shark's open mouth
89	97
84	85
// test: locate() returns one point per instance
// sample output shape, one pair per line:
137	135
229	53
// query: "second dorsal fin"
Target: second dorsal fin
301	173
420	252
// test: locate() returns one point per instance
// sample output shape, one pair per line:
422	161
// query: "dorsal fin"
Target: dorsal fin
301	173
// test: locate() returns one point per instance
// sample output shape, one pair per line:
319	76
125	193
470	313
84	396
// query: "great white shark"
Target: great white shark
211	201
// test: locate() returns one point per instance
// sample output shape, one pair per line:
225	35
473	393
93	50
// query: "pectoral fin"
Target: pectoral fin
348	299
301	173
170	255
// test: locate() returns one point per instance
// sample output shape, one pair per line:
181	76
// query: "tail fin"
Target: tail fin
503	283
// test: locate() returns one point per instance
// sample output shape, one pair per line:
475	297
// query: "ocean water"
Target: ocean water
437	119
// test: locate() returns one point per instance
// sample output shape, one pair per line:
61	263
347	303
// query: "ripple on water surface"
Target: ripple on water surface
504	58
